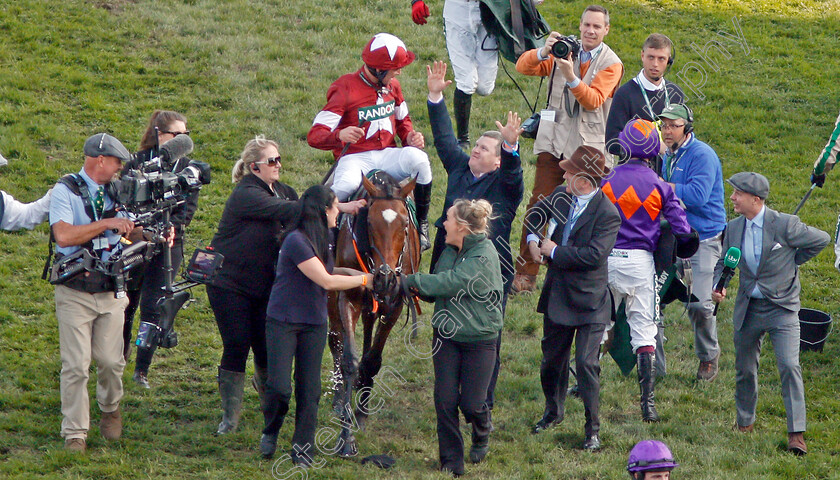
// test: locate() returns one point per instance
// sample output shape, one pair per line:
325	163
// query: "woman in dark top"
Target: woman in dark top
253	217
296	325
145	289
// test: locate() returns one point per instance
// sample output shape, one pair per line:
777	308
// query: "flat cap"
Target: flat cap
104	144
752	183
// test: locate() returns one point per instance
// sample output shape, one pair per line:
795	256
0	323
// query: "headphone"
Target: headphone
689	122
672	56
255	167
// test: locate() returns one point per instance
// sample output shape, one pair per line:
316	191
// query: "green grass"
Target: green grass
239	68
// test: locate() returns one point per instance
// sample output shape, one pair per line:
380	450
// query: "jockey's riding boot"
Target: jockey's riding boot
231	389
422	199
645	364
462	103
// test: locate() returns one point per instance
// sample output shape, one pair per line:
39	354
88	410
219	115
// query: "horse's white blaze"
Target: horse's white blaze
389	215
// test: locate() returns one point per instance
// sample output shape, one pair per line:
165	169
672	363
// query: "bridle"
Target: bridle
386	283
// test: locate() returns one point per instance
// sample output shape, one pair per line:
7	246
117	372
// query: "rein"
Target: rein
384	276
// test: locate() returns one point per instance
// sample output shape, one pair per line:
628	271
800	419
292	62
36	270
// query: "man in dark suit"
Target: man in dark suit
582	228
773	245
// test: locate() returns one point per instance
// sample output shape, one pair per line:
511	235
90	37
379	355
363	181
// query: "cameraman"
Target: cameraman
146	288
580	93
89	318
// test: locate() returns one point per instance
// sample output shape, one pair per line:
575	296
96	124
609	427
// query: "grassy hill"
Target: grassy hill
238	68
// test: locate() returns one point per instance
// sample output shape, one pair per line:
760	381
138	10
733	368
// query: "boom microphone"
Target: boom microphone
175	149
730	261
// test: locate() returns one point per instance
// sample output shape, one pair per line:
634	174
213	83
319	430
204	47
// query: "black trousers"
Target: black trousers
462	375
491	389
302	344
150	291
554	369
241	322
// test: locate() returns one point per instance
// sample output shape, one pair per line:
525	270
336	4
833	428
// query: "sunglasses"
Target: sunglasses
271	161
175	134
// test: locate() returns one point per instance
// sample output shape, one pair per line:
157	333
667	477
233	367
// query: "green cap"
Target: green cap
676	111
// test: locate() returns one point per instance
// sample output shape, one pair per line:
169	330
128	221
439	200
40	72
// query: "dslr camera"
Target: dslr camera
566	45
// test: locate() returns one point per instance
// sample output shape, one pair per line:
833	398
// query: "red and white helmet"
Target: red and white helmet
386	52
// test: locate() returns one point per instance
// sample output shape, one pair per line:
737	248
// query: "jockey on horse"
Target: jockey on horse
364	113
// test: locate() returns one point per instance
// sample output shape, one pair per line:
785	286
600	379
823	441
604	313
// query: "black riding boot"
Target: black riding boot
462	103
647	377
422	199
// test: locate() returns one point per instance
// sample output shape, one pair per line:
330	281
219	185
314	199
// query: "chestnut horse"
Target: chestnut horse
395	249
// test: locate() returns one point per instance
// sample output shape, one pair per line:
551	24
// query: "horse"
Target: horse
395	249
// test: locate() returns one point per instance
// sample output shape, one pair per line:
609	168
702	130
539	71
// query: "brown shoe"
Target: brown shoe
111	425
708	371
796	444
742	429
523	284
75	445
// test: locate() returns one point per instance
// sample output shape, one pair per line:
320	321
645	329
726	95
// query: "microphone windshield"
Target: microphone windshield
178	147
732	258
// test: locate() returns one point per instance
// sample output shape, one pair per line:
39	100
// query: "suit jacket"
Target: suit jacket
786	244
576	290
503	187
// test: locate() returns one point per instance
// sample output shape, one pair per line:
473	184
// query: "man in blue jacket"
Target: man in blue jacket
492	171
694	171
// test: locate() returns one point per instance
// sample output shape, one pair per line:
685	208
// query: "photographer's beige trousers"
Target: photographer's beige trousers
90	326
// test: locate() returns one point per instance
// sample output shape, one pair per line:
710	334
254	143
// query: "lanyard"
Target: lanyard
669	167
577	211
653	116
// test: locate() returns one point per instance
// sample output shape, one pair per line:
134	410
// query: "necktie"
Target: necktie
99	201
756	237
570	223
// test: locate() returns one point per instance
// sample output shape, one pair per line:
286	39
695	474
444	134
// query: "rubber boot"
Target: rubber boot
231	389
647	378
258	381
462	103
422	199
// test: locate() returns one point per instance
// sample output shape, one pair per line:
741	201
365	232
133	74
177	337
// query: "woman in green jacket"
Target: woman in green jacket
467	288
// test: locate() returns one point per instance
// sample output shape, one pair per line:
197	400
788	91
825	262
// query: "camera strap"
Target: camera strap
77	186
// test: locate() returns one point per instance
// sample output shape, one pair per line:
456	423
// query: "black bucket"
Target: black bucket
814	327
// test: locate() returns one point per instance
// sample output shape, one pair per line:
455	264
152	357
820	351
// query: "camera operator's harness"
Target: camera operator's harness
83	270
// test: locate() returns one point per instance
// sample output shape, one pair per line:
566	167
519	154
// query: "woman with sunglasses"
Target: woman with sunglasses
255	213
145	288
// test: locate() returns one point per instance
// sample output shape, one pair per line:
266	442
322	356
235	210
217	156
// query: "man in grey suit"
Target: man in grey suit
773	245
582	228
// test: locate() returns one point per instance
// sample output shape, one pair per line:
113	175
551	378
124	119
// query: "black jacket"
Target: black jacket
576	290
503	188
629	103
248	234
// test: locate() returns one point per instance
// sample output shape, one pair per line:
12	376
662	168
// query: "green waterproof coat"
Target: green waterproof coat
467	288
497	19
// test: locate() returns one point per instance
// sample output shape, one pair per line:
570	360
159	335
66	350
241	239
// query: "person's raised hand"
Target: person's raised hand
436	80
511	130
